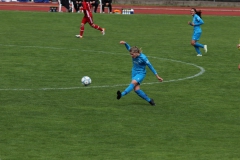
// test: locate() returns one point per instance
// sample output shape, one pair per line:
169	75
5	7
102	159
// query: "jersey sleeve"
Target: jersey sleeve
198	21
150	67
127	46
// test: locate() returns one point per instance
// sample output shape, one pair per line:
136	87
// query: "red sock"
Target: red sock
98	27
81	30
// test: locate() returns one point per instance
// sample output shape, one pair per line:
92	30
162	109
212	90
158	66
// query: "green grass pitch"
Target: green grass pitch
46	113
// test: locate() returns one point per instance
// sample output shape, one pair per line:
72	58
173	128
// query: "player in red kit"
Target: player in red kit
88	18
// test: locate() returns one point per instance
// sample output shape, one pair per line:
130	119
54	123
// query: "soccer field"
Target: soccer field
46	113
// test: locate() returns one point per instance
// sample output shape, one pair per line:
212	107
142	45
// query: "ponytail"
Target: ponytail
199	12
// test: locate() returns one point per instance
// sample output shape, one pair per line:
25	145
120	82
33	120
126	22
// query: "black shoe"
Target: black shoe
152	102
70	10
119	95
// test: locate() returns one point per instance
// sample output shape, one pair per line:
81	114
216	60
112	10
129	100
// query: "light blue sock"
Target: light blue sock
128	89
197	50
141	94
199	45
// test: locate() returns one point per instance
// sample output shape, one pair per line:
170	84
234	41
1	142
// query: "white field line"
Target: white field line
202	70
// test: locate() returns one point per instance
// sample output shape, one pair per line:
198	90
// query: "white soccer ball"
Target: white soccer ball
86	80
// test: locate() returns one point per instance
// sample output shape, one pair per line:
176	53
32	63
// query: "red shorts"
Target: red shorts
87	20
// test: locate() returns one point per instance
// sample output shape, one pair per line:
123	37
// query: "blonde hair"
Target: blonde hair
135	49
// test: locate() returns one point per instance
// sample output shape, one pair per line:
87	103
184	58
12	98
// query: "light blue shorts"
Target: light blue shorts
196	36
139	77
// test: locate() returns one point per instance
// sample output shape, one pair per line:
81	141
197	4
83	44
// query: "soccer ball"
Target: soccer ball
86	80
238	46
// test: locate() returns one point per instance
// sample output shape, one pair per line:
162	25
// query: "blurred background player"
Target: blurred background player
66	4
140	61
197	31
107	3
77	5
88	18
94	4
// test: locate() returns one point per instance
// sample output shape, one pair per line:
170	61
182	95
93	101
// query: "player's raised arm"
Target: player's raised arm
122	42
126	45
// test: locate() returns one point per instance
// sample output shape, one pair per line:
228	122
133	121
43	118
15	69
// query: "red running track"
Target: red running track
44	7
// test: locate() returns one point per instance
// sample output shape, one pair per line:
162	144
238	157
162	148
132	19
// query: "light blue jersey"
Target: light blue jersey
139	66
197	31
197	22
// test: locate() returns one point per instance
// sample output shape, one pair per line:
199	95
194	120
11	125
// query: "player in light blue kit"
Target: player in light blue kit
140	61
197	31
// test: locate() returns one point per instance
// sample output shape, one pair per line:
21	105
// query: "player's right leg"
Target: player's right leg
81	31
136	80
126	91
84	21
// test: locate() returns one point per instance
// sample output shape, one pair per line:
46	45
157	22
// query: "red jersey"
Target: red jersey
87	9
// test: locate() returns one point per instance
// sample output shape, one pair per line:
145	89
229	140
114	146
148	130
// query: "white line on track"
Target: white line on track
202	70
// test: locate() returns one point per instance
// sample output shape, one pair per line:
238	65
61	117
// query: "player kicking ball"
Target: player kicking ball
140	61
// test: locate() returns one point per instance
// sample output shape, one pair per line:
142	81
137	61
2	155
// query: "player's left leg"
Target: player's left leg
95	26
140	92
90	21
143	95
